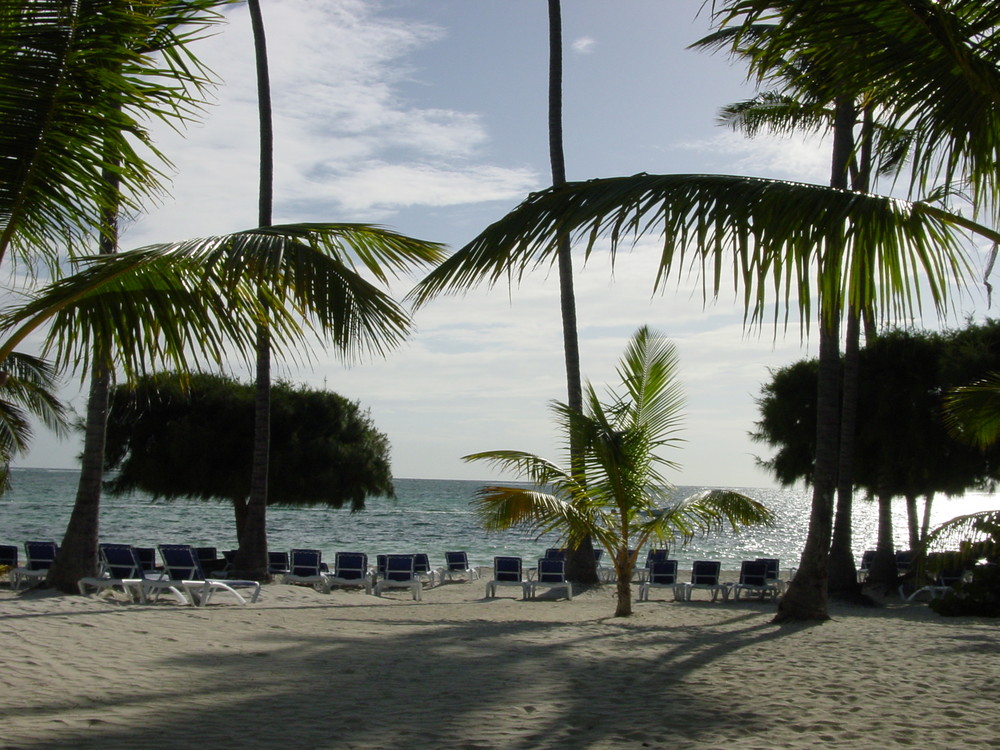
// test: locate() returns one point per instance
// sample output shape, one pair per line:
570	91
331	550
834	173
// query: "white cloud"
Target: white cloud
799	158
584	45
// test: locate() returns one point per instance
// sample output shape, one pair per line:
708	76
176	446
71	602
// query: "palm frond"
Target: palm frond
932	67
972	412
201	299
76	82
770	233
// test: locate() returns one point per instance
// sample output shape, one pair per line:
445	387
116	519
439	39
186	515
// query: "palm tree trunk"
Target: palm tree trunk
77	556
808	592
913	521
251	558
843	572
883	570
580	563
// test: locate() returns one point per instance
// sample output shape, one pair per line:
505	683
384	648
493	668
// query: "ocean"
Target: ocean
428	515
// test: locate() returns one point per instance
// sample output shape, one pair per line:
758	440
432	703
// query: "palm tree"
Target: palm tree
796	243
251	557
616	494
100	68
28	384
580	562
77	126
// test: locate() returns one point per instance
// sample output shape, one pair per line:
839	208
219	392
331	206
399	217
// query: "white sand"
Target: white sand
301	669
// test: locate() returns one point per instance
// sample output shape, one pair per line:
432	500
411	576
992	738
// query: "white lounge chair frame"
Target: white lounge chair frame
457	567
315	577
505	576
705	576
658	569
401	568
120	559
338	579
551	575
187	576
40	557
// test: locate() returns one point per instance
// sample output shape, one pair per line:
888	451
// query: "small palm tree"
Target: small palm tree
617	494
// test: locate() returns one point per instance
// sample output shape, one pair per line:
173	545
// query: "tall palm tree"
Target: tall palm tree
794	243
580	563
617	493
777	238
101	68
251	557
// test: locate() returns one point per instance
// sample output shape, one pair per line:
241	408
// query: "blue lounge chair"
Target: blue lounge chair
943	583
8	556
306	566
773	572
457	566
507	571
121	568
705	575
551	575
422	568
754	580
40	556
867	558
662	575
350	569
182	572
147	556
277	563
399	574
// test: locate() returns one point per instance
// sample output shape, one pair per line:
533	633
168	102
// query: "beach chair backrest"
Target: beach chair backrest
277	562
351	565
507	569
40	555
456	560
551	571
120	561
399	567
950	577
305	562
753	573
773	567
147	558
904	561
867	558
421	563
207	557
555	553
705	572
598	554
180	563
663	572
8	555
655	556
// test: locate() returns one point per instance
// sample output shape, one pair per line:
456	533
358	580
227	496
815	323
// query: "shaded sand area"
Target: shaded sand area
301	669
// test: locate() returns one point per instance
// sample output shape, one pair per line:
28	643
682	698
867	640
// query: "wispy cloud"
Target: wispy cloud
347	144
583	45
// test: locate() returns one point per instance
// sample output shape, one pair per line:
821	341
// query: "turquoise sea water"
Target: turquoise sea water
429	515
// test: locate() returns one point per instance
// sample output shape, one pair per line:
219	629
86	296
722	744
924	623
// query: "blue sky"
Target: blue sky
429	116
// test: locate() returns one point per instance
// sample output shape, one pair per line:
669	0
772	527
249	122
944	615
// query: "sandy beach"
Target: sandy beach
302	669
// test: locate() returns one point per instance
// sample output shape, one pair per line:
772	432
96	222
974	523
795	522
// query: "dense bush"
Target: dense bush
979	596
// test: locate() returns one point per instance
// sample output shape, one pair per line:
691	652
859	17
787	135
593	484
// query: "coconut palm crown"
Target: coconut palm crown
617	495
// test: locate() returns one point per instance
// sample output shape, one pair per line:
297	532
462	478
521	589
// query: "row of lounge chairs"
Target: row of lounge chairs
134	571
351	569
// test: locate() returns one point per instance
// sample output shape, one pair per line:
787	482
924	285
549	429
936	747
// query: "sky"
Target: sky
430	117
